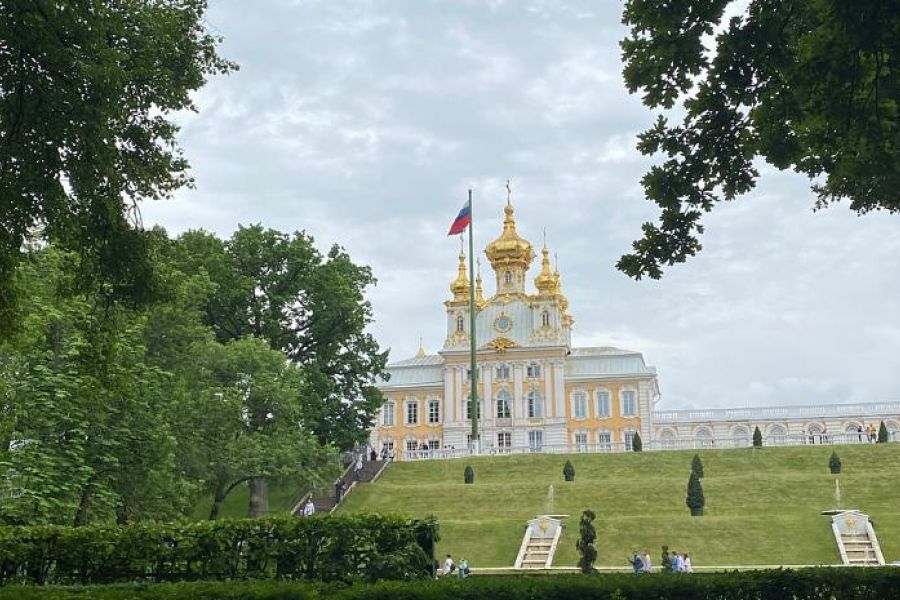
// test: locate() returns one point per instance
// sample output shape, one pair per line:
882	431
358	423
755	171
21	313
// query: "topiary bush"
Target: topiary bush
636	444
834	463
695	499
882	434
469	474
697	466
585	544
569	471
757	438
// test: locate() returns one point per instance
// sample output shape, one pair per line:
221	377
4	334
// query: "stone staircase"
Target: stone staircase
539	543
325	499
856	539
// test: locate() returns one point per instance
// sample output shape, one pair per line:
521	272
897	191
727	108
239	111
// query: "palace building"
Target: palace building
538	393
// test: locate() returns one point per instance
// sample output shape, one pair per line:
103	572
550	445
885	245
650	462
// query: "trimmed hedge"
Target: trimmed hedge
367	547
807	584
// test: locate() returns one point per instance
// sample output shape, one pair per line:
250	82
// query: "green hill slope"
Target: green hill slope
762	506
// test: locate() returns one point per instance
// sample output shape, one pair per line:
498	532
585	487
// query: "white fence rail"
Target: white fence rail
655	445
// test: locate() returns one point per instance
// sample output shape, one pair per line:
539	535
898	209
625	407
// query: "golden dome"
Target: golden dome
545	282
510	249
460	286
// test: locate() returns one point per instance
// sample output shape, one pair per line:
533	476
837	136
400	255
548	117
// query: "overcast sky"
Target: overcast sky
364	123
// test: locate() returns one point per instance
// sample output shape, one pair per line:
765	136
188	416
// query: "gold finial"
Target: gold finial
508	193
421	352
479	293
545	282
460	286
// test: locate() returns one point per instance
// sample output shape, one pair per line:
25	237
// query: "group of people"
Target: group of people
462	571
678	563
871	433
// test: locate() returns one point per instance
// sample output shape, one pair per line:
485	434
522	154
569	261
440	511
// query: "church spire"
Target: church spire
459	287
510	254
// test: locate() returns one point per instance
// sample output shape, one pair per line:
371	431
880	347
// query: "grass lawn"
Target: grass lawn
282	497
762	506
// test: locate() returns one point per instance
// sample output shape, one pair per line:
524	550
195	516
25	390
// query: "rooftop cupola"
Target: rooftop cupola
459	287
510	254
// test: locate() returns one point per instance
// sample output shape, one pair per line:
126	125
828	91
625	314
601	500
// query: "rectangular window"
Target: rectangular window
387	448
535	440
412	413
579	405
434	444
412	445
602	404
629	409
387	414
581	442
604	441
629	441
533	371
503	372
469	409
504	440
434	411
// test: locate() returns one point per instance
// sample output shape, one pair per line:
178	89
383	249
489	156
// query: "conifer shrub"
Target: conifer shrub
636	444
569	471
695	499
757	438
469	474
585	544
882	433
834	463
665	560
697	466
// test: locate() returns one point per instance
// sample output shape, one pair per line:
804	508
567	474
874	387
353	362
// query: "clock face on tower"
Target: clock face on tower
503	324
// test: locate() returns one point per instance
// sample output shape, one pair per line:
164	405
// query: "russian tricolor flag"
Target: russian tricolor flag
462	219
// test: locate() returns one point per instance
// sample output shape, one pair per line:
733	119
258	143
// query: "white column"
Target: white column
487	376
559	382
447	408
458	412
518	405
548	391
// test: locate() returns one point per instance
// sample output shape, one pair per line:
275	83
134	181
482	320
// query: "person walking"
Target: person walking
449	567
309	508
688	568
648	565
357	471
677	563
637	563
338	491
463	568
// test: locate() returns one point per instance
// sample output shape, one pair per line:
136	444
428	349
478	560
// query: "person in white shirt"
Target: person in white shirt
648	566
677	563
309	508
449	567
687	567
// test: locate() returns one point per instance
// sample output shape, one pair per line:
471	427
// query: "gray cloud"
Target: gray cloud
365	122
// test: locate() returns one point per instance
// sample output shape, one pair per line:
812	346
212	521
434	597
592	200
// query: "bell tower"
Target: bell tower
510	254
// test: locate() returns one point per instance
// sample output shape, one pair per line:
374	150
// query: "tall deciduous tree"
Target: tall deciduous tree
808	85
87	90
280	288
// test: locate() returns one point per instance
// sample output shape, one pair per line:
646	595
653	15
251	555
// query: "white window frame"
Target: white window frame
535	404
503	372
468	404
545	318
434	416
508	277
504	400
628	439
605	445
533	370
460	324
535	440
579	397
581	445
388	412
622	404
504	440
411	403
605	394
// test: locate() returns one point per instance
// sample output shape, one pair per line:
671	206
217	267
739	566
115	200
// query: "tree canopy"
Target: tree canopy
87	92
808	85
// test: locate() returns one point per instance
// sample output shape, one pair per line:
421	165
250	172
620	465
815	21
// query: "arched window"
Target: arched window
704	438
535	404
668	438
503	400
741	437
460	323
776	435
507	277
545	319
814	432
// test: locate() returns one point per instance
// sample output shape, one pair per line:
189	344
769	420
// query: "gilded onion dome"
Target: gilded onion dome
460	286
545	282
510	249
